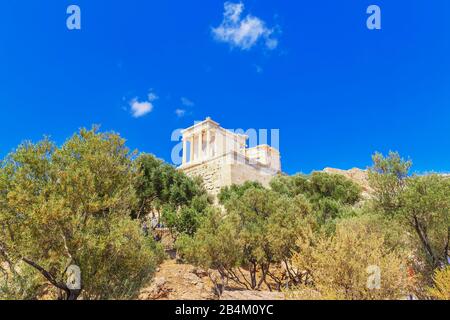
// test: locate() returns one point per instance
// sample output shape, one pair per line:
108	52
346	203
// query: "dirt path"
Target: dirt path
175	281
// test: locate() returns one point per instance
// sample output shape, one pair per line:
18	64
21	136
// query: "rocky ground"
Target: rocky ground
175	281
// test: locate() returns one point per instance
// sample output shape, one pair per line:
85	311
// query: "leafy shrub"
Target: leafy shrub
257	232
72	205
441	289
340	266
165	192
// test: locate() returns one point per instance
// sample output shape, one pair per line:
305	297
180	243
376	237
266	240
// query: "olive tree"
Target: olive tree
388	177
71	205
169	194
257	232
420	203
425	211
331	195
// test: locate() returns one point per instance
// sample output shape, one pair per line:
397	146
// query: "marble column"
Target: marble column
184	151
208	144
191	156
199	148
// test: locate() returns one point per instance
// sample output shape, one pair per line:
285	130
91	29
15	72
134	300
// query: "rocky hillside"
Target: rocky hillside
177	281
358	176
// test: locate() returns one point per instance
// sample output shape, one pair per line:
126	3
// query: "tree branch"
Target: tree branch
424	239
47	275
446	254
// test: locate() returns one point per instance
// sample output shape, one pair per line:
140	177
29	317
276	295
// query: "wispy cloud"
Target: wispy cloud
180	113
152	96
186	102
241	32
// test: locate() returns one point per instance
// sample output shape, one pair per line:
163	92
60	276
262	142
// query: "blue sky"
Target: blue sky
336	90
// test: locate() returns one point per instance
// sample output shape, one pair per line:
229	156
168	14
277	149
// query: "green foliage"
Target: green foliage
340	266
234	190
161	188
392	230
82	203
19	281
334	186
420	204
330	195
291	185
72	205
333	240
185	219
215	244
257	234
159	183
387	177
258	231
328	210
318	186
425	210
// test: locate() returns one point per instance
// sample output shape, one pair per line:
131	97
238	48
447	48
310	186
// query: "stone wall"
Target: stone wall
215	174
220	172
241	173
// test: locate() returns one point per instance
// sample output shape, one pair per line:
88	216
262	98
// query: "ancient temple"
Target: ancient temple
222	158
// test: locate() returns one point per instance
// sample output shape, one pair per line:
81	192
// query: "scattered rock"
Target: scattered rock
192	278
157	290
200	272
178	281
175	281
200	286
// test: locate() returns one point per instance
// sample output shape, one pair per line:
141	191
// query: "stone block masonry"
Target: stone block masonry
221	157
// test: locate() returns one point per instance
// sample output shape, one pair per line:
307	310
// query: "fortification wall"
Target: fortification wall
223	171
215	174
241	173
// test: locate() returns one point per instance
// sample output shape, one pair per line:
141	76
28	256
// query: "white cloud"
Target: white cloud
271	43
140	108
233	11
180	112
152	96
241	32
186	102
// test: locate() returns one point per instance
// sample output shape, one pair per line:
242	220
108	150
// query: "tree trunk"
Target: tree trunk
70	294
253	275
424	239
73	294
